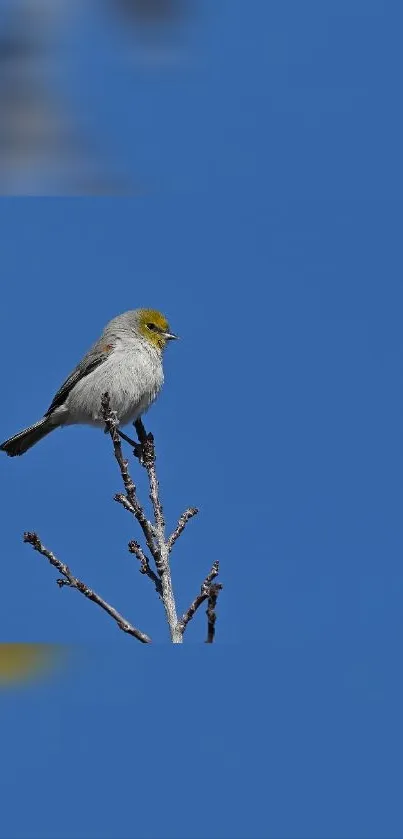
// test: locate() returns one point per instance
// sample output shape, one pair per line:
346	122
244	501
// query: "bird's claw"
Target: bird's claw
138	449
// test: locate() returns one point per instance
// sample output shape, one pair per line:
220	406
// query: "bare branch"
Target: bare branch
208	589
69	580
183	520
158	544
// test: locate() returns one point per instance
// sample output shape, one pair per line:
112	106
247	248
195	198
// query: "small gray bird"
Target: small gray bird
126	362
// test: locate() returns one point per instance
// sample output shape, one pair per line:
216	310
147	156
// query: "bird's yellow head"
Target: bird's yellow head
155	328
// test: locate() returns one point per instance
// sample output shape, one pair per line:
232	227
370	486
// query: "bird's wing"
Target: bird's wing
94	358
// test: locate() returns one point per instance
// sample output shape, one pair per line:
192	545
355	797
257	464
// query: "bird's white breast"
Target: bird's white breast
133	378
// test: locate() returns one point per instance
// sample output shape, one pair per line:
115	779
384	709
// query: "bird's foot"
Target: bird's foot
146	444
144	448
137	447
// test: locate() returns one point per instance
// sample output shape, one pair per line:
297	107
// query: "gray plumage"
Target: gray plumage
126	362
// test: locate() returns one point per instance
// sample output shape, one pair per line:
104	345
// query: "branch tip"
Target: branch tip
182	522
208	591
68	579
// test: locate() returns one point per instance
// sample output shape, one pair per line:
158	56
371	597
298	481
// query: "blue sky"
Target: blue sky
268	229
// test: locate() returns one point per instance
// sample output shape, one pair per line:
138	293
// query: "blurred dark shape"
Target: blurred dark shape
153	30
43	148
149	11
47	146
22	663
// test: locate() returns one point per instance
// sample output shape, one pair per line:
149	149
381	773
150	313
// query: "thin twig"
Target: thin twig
69	580
210	611
131	502
148	461
137	511
206	591
111	422
183	520
145	566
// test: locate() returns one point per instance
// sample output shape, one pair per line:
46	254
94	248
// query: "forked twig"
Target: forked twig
72	581
208	591
183	520
145	566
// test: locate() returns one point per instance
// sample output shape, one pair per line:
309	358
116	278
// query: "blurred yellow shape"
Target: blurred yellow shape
24	662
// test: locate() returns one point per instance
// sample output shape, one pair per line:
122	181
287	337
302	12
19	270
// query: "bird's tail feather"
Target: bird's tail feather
23	441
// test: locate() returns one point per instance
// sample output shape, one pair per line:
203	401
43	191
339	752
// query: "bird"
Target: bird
125	362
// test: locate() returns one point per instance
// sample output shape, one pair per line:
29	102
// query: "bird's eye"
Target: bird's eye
152	326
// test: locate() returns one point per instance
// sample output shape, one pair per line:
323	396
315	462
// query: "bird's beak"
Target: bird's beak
170	336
